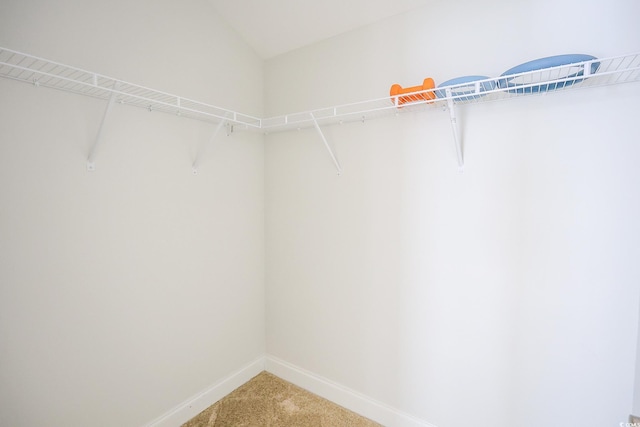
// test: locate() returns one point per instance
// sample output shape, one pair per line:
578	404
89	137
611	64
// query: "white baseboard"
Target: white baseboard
201	401
343	396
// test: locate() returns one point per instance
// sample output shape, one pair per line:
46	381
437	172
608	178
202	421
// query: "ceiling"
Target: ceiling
273	27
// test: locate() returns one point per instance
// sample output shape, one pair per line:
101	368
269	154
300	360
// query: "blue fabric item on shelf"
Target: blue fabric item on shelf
464	92
518	84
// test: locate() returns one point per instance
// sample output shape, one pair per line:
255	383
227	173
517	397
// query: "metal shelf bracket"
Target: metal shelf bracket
457	140
326	144
91	166
221	124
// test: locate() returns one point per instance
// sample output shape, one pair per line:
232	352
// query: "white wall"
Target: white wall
125	291
505	295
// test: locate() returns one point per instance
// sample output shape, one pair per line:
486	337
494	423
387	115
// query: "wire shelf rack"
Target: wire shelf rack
45	73
592	73
597	72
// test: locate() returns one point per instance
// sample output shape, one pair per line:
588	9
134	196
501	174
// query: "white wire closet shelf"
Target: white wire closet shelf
46	73
576	73
592	73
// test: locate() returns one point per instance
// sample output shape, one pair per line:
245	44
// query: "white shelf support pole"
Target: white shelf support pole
202	146
326	144
456	130
91	166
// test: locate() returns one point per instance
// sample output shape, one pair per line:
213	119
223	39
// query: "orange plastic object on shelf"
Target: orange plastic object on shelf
428	83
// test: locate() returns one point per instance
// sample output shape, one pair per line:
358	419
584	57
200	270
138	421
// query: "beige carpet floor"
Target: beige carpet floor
269	401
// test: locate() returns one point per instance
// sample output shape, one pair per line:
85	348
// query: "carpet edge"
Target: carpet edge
341	395
207	397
